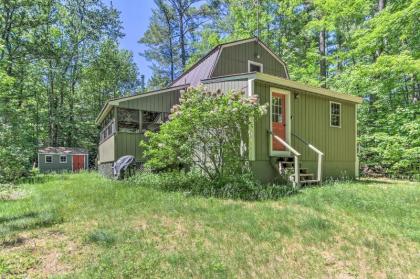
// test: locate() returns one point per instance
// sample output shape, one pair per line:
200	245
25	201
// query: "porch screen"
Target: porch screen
151	120
128	120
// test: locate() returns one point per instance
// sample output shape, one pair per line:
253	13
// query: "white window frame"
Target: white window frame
340	114
49	156
250	62
65	162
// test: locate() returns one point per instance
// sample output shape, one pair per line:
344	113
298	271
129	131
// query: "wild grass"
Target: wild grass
84	226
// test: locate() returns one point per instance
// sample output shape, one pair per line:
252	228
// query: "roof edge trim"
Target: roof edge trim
309	88
288	83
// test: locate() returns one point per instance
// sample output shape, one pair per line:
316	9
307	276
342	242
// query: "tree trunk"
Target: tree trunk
182	40
339	39
378	52
171	45
322	61
381	5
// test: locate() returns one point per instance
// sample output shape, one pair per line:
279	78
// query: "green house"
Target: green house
62	159
309	130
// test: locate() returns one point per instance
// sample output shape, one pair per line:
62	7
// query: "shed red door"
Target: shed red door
278	119
78	162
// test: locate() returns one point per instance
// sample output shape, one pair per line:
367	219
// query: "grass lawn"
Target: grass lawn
85	226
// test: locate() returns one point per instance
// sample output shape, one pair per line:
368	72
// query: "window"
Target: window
276	108
151	120
255	66
63	159
48	159
128	120
108	131
335	114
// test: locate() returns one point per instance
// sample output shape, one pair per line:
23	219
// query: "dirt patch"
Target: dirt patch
47	249
12	196
51	264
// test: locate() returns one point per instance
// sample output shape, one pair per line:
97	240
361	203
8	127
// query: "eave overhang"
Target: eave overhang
289	84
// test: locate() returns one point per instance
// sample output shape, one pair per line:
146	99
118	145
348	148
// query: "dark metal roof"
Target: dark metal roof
62	150
201	70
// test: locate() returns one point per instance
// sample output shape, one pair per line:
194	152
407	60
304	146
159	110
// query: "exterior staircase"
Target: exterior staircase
286	165
291	164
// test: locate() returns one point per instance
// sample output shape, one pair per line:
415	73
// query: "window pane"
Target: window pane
335	115
254	68
128	120
335	120
277	110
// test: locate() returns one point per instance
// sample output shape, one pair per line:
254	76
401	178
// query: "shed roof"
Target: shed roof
62	150
114	102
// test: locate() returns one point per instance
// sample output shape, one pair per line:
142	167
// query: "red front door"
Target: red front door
278	119
78	162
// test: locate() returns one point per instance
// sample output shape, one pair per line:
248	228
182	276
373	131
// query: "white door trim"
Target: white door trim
288	121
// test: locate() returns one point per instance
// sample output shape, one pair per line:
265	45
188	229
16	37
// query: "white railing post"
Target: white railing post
319	167
297	172
296	180
319	174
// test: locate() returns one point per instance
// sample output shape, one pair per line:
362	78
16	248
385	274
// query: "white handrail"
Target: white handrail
319	167
287	145
296	158
315	149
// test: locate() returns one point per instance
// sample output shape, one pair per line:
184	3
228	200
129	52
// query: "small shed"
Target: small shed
61	159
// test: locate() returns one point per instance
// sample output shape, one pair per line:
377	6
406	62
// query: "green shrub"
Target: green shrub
207	131
14	159
241	186
393	148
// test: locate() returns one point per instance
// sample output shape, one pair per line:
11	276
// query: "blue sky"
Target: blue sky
135	16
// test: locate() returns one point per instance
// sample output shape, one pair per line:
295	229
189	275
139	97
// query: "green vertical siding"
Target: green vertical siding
310	121
162	102
234	60
128	144
124	143
236	85
55	166
262	125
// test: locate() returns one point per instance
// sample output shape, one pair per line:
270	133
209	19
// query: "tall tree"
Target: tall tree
160	41
170	37
48	45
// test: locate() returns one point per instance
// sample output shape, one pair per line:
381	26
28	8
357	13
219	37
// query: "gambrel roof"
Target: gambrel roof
229	61
205	67
199	71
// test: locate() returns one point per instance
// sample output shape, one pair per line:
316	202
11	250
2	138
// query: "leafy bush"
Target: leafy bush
394	150
207	131
241	186
14	159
